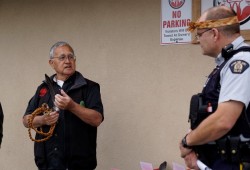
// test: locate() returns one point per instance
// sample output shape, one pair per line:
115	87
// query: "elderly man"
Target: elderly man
79	112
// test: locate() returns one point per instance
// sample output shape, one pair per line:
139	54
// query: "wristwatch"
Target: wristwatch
184	143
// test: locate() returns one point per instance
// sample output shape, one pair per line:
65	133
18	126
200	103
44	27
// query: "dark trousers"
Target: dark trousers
209	155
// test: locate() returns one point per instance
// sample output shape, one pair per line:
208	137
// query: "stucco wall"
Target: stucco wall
145	87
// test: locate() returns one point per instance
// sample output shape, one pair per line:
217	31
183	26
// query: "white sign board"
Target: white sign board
175	18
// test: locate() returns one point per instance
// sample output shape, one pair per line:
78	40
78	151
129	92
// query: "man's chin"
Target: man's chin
69	72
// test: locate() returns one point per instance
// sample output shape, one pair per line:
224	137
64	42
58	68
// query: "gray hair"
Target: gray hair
58	44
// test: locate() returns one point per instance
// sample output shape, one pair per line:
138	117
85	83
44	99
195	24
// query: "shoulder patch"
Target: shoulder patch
238	66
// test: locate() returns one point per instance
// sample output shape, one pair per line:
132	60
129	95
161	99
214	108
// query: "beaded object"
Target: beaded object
45	110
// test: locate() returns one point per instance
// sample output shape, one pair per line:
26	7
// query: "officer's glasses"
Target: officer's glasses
198	35
63	57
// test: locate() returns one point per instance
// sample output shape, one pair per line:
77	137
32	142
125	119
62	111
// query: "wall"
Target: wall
145	87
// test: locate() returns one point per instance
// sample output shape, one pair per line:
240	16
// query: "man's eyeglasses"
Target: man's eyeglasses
63	57
198	35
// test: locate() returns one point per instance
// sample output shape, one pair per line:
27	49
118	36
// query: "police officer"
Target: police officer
220	139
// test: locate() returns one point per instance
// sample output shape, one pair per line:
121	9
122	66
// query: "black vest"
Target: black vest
211	91
73	144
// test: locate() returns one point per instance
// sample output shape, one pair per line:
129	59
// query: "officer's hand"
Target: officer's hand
63	101
184	151
191	161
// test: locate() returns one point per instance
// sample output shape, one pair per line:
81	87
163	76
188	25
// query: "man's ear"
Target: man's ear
51	63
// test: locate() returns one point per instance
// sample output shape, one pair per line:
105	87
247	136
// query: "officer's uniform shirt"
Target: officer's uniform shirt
235	75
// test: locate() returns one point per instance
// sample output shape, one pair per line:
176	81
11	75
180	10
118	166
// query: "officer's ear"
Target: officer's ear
216	33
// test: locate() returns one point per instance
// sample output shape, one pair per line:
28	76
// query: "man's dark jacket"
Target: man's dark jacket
73	144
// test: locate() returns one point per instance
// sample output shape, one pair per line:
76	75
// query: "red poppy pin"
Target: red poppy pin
42	92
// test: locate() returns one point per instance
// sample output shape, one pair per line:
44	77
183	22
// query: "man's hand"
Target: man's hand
89	116
51	118
63	101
